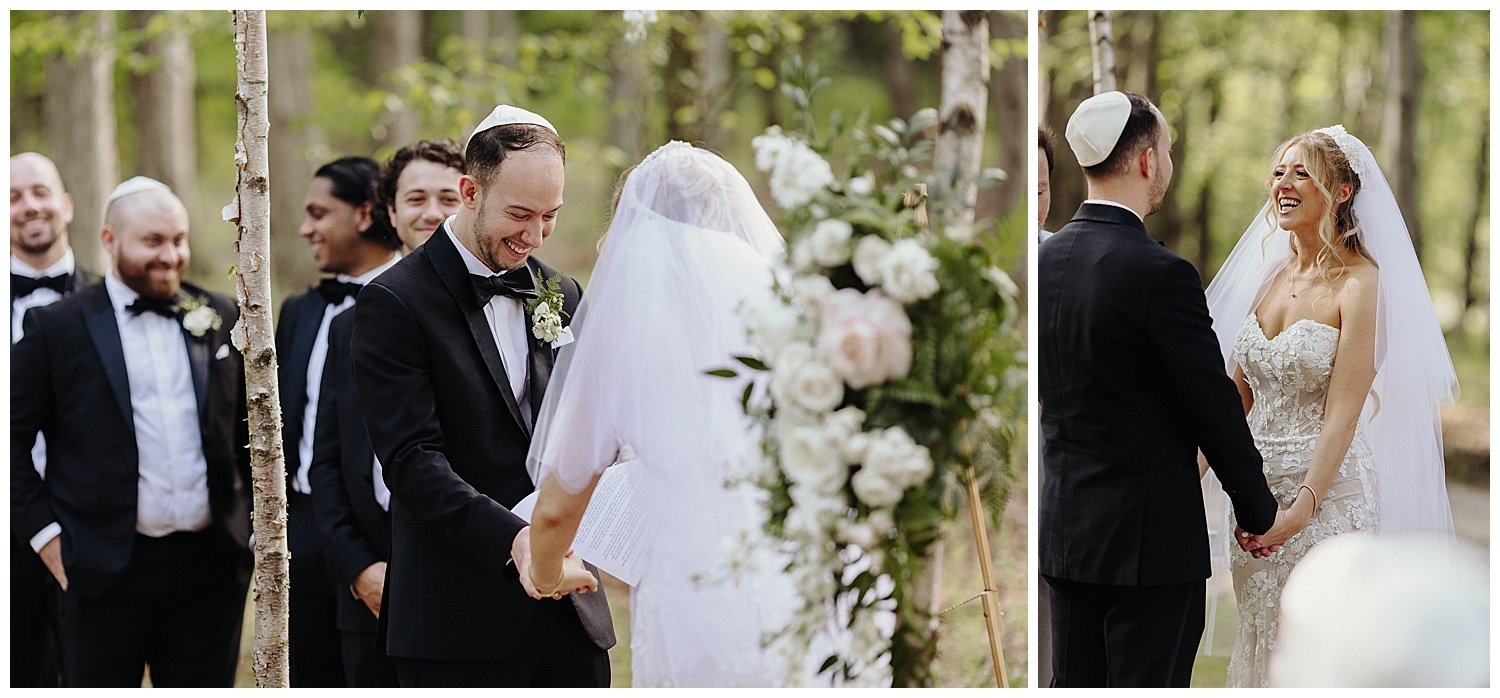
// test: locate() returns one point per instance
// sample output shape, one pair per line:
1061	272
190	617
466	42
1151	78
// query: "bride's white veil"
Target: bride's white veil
688	241
1414	371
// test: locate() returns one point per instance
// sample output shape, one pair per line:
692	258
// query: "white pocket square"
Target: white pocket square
564	338
223	352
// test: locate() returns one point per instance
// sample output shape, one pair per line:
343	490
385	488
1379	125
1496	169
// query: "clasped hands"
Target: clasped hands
1289	522
570	577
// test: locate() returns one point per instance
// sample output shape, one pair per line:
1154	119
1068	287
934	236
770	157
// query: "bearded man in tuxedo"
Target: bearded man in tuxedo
143	517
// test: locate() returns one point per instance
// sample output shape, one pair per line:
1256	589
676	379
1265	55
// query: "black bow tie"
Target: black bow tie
516	283
22	286
165	307
335	291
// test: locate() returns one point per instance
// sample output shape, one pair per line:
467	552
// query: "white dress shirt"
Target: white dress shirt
18	308
1116	204
507	318
315	364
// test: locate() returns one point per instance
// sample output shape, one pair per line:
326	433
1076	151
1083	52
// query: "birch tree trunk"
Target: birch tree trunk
253	336
1101	37
79	110
965	96
1400	120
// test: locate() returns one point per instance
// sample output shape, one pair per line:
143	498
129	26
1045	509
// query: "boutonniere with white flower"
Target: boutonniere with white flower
198	317
546	311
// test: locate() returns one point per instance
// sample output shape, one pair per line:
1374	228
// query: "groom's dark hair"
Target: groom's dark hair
1140	132
488	148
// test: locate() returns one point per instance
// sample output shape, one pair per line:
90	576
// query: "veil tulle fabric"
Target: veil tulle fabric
688	243
1414	371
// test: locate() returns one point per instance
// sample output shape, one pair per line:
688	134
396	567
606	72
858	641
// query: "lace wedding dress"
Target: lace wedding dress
1289	376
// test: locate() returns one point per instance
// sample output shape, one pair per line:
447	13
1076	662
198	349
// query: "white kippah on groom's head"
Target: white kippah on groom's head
505	115
1095	127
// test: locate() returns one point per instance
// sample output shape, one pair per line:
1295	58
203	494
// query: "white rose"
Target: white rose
809	459
811	289
806	384
909	272
893	455
868	255
844	423
770	325
864	337
829	242
200	320
863	184
768	148
875	489
854	448
798	175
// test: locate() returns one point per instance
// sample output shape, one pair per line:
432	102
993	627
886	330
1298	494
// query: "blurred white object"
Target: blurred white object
1396	611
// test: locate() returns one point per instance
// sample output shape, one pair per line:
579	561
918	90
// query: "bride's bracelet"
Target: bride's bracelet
1314	496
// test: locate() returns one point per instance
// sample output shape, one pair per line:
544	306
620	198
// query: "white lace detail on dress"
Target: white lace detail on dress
1289	375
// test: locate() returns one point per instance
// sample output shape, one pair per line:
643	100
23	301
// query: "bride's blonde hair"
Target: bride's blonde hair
1328	168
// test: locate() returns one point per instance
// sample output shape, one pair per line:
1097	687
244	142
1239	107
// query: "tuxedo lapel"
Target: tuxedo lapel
198	358
304	336
540	354
455	276
99	316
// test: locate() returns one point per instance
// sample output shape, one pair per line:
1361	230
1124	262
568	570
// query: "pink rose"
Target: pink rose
865	337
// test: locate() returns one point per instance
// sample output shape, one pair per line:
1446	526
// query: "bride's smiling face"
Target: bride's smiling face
1295	196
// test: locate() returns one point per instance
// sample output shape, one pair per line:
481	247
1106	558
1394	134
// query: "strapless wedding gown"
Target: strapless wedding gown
1289	375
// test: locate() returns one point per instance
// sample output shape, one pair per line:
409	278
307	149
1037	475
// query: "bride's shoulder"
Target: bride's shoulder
1361	280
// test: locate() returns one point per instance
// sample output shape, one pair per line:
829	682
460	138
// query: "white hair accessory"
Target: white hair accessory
135	185
1096	125
505	115
1349	145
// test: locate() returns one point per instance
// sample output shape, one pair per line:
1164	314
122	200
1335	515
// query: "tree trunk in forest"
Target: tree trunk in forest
682	123
166	124
398	43
1152	20
1472	230
79	107
628	73
1009	104
253	336
1212	85
714	66
1400	121
962	111
899	75
474	27
290	51
1101	37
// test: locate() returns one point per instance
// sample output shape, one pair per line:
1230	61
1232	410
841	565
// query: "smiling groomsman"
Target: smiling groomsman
143	517
350	240
42	271
418	189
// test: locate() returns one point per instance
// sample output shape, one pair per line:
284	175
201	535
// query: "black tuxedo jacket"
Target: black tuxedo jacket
355	531
1132	385
451	440
296	332
68	381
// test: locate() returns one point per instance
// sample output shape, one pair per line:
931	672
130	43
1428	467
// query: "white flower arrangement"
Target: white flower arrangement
198	317
883	350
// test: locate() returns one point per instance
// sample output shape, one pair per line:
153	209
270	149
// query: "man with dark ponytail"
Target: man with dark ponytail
351	239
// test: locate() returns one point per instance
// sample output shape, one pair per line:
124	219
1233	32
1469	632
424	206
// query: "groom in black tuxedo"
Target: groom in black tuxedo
1132	386
143	517
450	376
